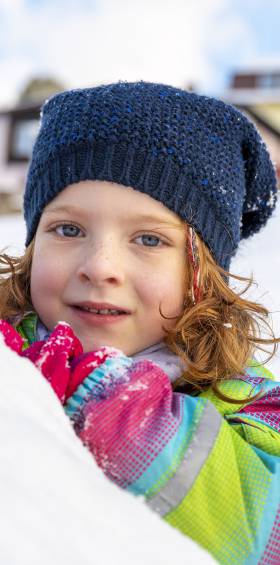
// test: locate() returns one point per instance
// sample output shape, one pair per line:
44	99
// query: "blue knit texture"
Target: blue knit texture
200	157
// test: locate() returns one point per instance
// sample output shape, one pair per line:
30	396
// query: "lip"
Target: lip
101	306
98	319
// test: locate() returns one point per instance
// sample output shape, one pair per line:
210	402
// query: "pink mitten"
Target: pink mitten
53	357
60	358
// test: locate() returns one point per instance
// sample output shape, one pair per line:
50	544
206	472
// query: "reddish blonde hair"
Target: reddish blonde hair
217	334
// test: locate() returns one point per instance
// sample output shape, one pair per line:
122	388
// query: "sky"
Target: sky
179	42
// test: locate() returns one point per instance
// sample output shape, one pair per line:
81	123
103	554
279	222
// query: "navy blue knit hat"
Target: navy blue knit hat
200	157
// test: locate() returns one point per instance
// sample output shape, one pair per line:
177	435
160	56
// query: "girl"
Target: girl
136	199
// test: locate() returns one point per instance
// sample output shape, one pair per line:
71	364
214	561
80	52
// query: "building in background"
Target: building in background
257	93
18	129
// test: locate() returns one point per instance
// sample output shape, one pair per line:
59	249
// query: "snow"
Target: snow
259	255
56	504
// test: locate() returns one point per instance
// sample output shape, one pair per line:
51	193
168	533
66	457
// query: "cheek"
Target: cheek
164	286
45	274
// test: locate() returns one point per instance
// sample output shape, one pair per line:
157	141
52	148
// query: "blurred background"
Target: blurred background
226	48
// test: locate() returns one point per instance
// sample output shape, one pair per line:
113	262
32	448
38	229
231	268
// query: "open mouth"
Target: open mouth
95	316
102	312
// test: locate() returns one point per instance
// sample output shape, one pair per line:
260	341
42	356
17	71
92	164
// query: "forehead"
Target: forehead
101	197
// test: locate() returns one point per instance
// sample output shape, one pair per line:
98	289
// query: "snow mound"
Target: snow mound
56	504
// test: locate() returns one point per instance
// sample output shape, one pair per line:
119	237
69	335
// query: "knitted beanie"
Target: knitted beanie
200	157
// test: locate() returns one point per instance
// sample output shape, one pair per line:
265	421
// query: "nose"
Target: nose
102	264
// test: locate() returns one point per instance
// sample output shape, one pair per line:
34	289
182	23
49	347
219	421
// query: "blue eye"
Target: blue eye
72	230
151	239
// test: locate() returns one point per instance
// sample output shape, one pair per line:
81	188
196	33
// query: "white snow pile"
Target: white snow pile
57	507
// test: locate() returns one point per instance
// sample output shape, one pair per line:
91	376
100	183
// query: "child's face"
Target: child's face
109	253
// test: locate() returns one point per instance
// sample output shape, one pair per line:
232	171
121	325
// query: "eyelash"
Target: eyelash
54	228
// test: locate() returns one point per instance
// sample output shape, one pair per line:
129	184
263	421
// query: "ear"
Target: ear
260	181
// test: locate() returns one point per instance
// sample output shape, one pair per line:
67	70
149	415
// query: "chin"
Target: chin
94	345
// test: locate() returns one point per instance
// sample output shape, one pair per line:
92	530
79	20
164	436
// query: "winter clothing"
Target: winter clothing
209	468
200	157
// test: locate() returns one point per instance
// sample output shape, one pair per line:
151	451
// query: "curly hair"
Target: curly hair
15	274
214	336
217	335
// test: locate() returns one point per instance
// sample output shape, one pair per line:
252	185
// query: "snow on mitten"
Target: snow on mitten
60	358
53	356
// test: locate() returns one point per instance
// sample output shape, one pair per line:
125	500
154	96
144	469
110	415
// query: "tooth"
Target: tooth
104	311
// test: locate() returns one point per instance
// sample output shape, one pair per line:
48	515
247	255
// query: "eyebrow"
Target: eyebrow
149	218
